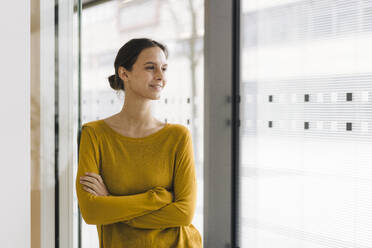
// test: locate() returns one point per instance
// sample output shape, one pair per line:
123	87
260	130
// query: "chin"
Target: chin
156	97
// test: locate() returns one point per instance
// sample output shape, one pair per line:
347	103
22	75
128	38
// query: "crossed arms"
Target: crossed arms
155	208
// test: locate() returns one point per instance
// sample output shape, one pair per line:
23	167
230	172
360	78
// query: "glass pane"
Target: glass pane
178	24
306	124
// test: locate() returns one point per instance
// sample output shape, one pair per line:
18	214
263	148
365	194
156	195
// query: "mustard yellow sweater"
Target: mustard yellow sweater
153	185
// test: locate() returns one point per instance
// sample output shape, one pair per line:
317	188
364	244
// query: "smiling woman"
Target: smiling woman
136	177
129	53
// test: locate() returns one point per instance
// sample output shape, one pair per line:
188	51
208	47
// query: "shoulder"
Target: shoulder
180	130
92	124
94	128
182	136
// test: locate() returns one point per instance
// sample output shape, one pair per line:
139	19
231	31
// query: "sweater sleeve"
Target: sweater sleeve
111	209
181	211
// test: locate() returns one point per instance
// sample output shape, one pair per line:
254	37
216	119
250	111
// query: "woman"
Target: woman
136	176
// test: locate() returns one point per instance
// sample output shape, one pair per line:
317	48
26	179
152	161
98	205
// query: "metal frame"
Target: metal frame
221	123
47	113
79	7
56	124
66	122
235	149
91	3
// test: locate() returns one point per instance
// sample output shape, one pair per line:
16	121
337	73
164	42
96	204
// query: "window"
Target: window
305	164
179	25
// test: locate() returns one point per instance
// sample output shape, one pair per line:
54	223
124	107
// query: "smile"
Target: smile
156	87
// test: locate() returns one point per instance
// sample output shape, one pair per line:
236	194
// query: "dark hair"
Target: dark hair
127	56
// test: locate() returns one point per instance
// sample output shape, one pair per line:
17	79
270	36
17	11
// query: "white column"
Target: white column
15	123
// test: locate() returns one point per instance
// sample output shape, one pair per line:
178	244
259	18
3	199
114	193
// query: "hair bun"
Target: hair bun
116	83
111	79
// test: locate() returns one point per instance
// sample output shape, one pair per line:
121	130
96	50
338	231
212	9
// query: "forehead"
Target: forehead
152	54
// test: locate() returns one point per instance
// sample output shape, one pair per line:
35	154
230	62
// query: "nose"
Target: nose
159	75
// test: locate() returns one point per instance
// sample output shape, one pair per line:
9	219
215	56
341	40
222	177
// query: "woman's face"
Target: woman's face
148	75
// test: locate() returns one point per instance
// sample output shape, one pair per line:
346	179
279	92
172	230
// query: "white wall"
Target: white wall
15	123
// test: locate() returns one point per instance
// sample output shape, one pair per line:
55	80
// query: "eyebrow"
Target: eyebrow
153	63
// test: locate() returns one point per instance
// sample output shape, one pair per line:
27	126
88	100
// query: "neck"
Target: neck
136	113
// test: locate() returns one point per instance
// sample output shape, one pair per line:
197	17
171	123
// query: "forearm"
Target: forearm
172	215
112	209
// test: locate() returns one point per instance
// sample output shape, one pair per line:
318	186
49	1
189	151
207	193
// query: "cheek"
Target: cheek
142	78
145	76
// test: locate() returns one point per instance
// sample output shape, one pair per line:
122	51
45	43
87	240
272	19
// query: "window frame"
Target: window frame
221	123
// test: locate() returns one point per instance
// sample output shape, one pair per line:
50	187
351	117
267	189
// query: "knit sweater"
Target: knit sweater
152	183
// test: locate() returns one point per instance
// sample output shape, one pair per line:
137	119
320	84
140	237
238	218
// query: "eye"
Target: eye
164	69
150	67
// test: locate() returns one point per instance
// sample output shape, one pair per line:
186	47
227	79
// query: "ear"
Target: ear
123	73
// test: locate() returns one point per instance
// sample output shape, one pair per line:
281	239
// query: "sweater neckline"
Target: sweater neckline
121	136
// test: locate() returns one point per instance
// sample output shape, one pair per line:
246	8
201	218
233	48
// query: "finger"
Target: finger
97	191
92	183
100	189
90	179
93	186
96	176
89	190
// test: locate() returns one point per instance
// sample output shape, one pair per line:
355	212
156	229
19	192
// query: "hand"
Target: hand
94	184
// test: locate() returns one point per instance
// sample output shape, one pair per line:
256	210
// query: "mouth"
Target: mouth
156	86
